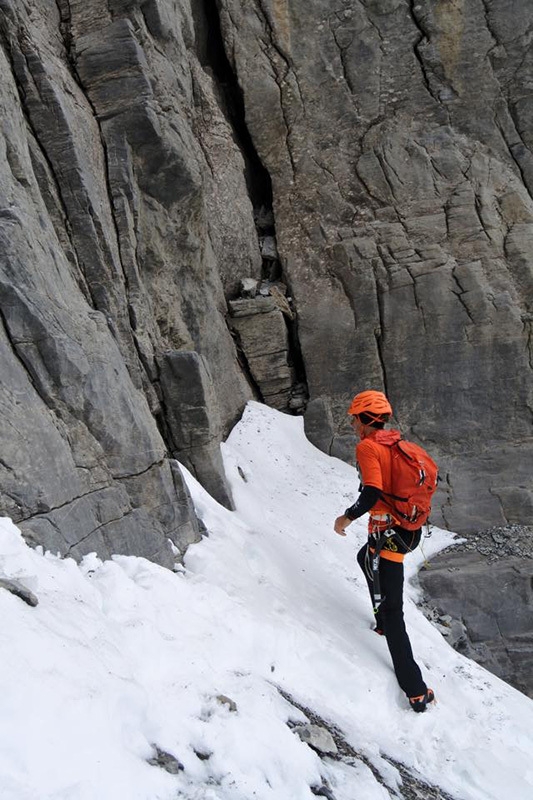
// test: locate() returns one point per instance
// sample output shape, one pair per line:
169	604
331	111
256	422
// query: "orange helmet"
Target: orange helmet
373	403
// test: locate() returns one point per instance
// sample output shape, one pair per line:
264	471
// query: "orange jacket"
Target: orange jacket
374	463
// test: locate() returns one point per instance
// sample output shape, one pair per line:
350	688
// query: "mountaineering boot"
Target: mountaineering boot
420	703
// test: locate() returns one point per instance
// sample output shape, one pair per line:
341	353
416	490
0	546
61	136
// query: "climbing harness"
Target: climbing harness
379	539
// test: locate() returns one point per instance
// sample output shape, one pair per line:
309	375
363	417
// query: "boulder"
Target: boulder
264	341
20	591
318	738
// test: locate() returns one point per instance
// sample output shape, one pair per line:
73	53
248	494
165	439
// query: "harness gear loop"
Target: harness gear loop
427	564
375	556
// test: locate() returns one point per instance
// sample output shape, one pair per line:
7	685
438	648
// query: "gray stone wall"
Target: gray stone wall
480	595
398	138
120	181
365	167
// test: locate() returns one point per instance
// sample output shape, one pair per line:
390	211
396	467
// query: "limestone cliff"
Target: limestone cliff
398	138
206	202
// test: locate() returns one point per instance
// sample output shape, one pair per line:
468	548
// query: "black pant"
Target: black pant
389	619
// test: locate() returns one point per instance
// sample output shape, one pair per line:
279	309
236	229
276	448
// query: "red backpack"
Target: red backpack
414	480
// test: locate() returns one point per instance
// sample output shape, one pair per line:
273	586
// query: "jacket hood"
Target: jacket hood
386	437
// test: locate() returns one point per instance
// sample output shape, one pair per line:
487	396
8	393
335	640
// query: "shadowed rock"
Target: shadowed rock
19	590
484	588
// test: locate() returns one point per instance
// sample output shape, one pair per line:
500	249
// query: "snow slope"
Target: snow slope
123	656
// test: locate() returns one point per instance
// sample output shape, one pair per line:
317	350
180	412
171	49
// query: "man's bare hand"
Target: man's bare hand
341	523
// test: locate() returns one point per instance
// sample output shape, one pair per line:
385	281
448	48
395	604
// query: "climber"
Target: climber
381	558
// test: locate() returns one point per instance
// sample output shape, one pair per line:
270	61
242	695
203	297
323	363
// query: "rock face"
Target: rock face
494	606
485	590
366	167
398	139
194	424
117	240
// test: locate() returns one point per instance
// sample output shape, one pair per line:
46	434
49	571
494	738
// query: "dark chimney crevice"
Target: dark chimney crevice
213	57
